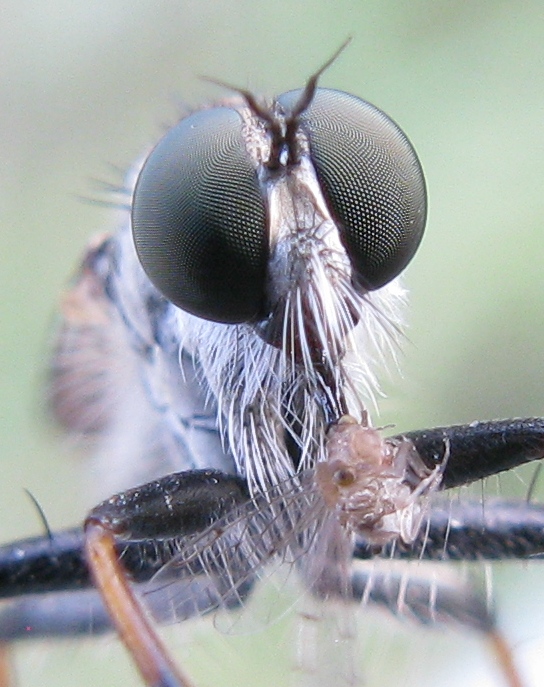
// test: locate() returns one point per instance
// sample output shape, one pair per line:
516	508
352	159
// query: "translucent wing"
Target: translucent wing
309	521
217	568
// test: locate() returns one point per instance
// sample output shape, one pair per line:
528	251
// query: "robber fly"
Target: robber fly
220	350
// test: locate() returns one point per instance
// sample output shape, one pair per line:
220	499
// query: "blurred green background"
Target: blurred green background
87	86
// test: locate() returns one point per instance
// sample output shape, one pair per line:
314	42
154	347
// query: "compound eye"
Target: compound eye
199	221
371	179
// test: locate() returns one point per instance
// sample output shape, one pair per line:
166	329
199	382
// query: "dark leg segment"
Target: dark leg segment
480	449
430	601
145	528
457	531
177	505
150	523
61	615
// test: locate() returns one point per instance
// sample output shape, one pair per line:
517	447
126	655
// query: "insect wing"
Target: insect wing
218	568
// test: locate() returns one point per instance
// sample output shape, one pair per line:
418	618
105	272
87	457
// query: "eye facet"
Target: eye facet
371	179
199	221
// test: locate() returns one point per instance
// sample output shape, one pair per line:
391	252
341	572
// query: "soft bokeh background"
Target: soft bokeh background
85	86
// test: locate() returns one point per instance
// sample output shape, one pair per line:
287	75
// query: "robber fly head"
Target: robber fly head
278	230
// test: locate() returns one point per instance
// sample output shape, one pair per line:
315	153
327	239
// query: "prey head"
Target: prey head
278	229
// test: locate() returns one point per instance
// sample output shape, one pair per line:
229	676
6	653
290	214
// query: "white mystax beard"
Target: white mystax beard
262	394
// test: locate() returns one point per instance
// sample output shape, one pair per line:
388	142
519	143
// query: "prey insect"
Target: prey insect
220	349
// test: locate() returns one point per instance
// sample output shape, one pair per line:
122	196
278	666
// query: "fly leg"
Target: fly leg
125	541
461	531
159	510
129	617
479	449
432	598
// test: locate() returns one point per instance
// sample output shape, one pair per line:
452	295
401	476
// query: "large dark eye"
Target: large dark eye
371	178
199	221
